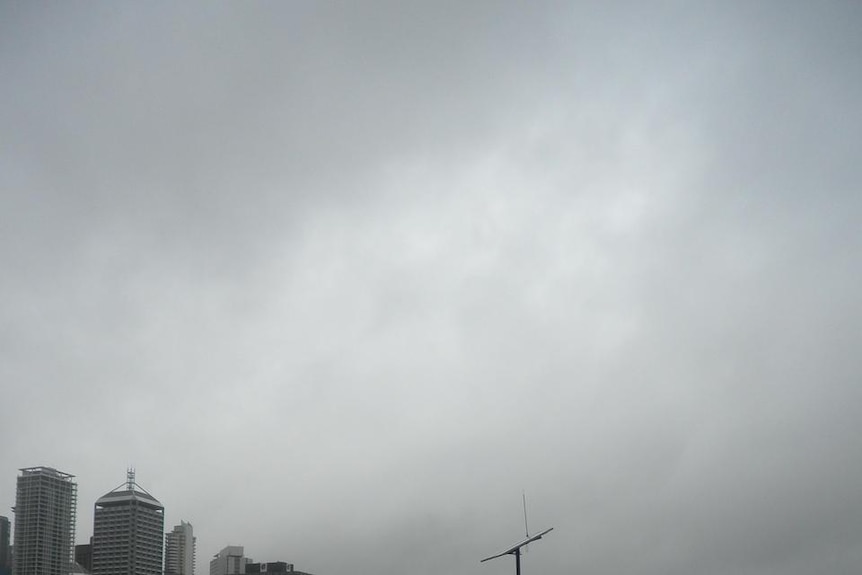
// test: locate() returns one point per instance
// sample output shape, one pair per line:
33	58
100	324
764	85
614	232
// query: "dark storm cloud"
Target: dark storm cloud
342	280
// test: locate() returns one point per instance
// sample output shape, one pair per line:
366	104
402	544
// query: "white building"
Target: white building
180	550
229	561
45	505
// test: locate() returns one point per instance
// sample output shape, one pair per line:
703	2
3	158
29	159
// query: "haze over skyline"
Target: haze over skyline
341	280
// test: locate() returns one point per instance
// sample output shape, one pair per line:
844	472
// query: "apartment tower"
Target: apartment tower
128	531
45	505
180	550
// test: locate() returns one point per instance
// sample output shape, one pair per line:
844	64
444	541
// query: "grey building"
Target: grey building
128	531
273	568
5	546
229	561
180	550
84	556
45	506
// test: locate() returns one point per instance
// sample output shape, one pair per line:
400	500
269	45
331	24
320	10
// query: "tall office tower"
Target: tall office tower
180	550
128	528
229	561
45	506
5	550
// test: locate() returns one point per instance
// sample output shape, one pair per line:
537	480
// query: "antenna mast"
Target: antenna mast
516	549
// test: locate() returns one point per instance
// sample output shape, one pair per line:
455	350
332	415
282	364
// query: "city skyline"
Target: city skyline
114	516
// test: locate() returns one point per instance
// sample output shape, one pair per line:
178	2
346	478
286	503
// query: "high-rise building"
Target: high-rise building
229	561
45	505
128	531
180	550
5	549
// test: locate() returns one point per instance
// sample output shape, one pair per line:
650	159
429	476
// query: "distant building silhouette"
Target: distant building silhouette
45	506
273	568
128	531
180	550
229	561
84	556
5	546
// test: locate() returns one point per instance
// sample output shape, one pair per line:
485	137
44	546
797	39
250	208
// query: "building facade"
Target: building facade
180	550
84	556
273	568
128	531
45	505
229	561
5	546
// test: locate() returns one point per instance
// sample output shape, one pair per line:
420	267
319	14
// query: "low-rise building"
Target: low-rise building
273	568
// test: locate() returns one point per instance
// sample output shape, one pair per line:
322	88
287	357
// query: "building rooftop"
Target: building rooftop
42	470
117	497
128	491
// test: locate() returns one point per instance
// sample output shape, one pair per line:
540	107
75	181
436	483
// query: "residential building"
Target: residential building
180	550
229	561
45	505
128	531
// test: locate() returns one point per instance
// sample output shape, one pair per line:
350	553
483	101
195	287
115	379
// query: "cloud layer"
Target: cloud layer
342	281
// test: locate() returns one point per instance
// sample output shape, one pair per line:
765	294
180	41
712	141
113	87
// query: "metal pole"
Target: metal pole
518	561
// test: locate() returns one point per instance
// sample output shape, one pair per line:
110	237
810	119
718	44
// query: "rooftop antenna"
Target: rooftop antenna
516	549
130	484
526	529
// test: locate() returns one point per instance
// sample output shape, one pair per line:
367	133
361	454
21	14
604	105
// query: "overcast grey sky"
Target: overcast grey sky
342	279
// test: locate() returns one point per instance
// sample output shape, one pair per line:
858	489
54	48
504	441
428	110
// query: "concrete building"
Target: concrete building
273	568
180	550
229	561
128	531
45	505
5	546
84	556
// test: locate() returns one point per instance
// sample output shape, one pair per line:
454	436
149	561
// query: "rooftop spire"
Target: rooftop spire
128	488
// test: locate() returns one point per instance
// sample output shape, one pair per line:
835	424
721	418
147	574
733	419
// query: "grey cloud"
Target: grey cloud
341	281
